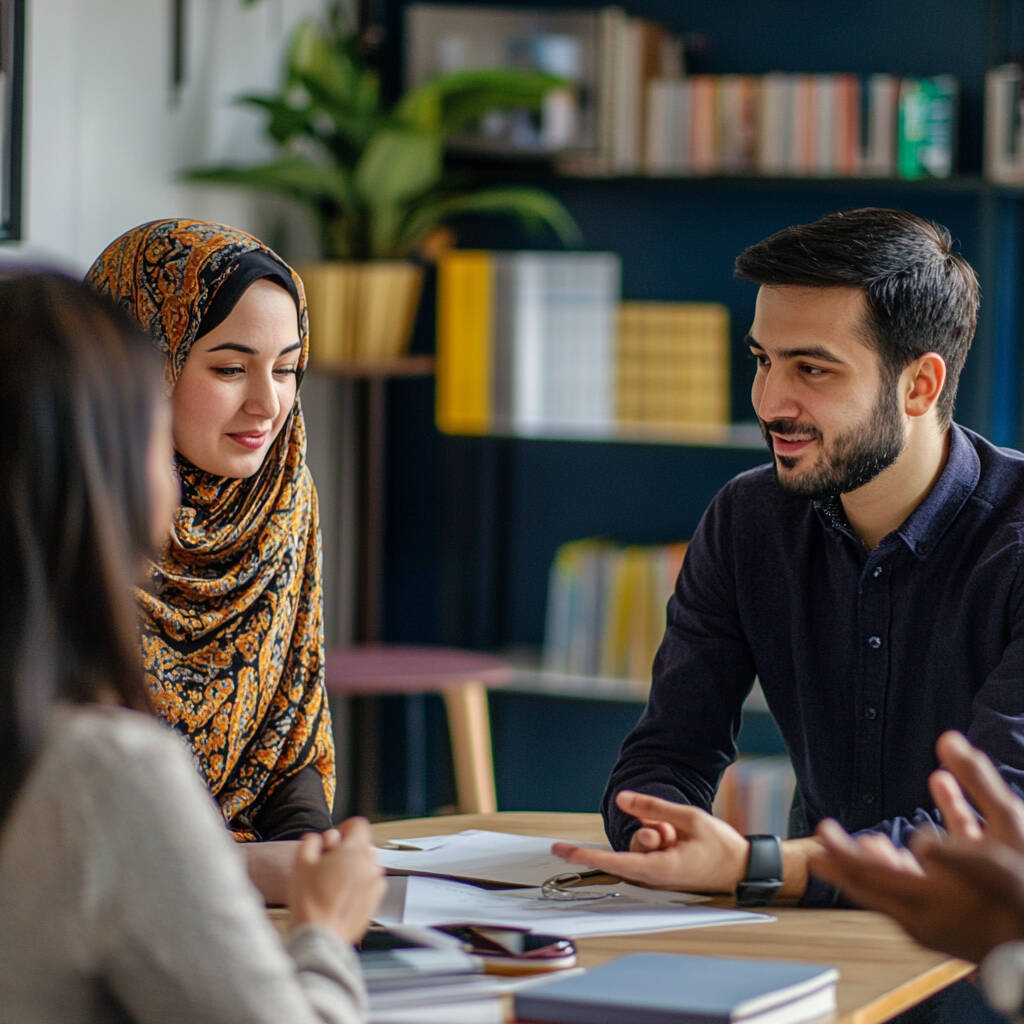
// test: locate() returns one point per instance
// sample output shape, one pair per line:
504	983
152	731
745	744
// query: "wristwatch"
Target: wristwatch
1002	979
764	872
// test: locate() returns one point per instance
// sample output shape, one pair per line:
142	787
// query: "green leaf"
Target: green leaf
398	164
367	92
292	176
448	103
533	207
284	121
385	224
325	70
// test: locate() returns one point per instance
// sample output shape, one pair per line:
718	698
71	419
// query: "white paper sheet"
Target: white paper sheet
479	854
415	899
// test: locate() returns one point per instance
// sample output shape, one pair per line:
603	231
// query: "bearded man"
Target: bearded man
871	578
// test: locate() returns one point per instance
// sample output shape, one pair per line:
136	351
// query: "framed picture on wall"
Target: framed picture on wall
12	70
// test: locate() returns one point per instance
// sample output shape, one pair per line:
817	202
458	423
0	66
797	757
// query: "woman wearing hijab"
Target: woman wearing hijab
121	897
232	626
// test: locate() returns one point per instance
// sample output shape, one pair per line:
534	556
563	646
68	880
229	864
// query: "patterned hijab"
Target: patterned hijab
232	629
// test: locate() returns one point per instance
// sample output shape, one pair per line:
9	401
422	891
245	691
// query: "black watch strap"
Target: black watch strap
764	872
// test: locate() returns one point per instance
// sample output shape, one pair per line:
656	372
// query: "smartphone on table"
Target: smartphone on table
501	950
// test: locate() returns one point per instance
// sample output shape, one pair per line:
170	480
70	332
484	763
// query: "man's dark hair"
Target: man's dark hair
921	296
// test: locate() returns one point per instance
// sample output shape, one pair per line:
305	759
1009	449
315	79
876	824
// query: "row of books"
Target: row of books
630	107
606	57
606	607
825	125
535	343
755	794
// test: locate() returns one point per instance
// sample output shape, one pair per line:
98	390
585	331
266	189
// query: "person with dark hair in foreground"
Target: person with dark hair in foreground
122	897
871	578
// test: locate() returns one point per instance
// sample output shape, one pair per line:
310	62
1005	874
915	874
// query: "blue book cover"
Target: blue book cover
671	988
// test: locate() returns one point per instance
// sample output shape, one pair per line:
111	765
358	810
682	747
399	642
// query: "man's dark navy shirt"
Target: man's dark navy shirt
864	657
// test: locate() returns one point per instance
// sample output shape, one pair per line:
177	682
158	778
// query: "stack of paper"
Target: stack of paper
476	855
429	895
429	984
620	908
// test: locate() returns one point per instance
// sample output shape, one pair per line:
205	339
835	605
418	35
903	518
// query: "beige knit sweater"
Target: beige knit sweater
122	897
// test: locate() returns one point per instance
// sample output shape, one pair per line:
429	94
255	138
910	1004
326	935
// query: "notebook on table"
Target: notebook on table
671	988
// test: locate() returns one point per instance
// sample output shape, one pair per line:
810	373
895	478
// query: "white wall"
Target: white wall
105	137
105	140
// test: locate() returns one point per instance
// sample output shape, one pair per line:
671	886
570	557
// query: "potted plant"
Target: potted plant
372	176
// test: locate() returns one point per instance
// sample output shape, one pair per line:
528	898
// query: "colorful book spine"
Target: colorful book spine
755	793
799	124
1004	124
606	607
465	329
672	367
927	127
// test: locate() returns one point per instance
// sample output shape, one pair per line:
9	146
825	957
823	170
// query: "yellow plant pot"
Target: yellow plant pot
360	312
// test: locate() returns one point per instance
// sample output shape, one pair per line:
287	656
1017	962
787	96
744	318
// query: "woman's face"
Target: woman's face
164	492
238	384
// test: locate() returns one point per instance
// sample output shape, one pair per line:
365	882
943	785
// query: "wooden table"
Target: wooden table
881	971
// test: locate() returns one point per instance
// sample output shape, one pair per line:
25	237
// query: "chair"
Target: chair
461	677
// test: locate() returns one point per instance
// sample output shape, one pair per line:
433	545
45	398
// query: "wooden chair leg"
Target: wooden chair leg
469	725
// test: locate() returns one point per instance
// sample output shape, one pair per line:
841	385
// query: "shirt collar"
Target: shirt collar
923	528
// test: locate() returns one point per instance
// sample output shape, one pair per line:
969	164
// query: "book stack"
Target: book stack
606	607
672	988
537	344
525	342
672	366
400	983
630	107
1004	141
782	124
635	53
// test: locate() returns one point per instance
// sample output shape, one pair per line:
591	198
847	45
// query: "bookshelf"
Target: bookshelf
478	518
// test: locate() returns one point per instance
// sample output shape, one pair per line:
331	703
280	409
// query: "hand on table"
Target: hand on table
676	847
336	882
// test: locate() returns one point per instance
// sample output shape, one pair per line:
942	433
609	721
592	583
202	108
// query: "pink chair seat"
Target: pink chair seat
461	677
377	669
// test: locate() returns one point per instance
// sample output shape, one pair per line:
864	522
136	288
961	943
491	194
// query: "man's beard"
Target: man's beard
854	459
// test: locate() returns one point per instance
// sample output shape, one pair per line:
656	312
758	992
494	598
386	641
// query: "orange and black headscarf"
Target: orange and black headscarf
233	625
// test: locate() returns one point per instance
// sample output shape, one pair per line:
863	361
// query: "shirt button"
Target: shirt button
871	713
874	642
869	798
877	571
